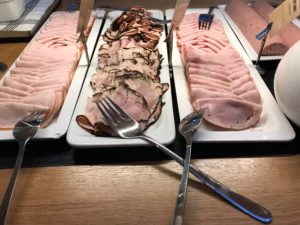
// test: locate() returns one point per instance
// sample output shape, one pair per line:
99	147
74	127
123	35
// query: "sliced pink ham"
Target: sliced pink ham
217	76
13	111
229	113
43	72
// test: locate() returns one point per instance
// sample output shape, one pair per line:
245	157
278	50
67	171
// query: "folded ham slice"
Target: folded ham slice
12	111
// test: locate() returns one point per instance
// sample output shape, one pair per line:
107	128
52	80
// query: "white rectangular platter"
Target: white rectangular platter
163	130
59	126
176	61
273	125
245	43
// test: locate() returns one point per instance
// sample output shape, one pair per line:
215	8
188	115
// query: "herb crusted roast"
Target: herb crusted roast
128	72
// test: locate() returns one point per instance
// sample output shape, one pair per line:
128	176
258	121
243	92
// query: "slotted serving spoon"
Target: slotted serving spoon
187	128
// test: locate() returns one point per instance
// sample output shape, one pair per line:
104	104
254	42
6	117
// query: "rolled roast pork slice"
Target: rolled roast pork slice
129	100
251	23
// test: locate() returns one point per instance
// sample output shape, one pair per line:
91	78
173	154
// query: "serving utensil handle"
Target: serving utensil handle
10	188
244	204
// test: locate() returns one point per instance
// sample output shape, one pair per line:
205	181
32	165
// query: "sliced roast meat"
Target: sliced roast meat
128	72
129	100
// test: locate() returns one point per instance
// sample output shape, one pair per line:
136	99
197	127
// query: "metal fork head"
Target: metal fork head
27	127
122	123
73	6
205	21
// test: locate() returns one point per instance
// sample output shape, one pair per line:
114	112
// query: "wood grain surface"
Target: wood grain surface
145	194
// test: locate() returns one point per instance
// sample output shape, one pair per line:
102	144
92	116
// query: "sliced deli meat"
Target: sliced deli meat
252	19
43	73
217	76
128	72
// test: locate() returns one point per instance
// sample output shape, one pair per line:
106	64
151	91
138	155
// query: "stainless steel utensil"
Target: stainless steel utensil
125	126
179	12
187	128
3	67
73	6
85	11
23	131
205	20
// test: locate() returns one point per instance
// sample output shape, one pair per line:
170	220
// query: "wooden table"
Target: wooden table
144	192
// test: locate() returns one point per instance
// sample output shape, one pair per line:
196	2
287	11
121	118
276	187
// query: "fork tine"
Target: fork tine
205	24
211	21
31	116
121	112
114	112
104	112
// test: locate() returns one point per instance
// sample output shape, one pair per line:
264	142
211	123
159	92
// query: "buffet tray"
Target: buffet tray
273	125
59	125
163	130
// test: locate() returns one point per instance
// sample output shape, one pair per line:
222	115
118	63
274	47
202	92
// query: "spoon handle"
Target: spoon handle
181	197
10	188
244	204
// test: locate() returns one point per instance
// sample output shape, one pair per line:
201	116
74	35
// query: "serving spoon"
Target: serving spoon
187	128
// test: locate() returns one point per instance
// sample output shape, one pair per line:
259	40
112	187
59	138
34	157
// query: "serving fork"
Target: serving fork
205	20
127	127
23	131
73	6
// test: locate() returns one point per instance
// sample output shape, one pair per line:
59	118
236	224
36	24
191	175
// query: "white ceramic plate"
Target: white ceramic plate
163	130
247	46
60	125
273	125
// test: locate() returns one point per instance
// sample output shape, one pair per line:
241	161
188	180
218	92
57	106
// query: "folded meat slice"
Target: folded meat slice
9	82
13	111
129	100
116	57
13	91
221	82
229	113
